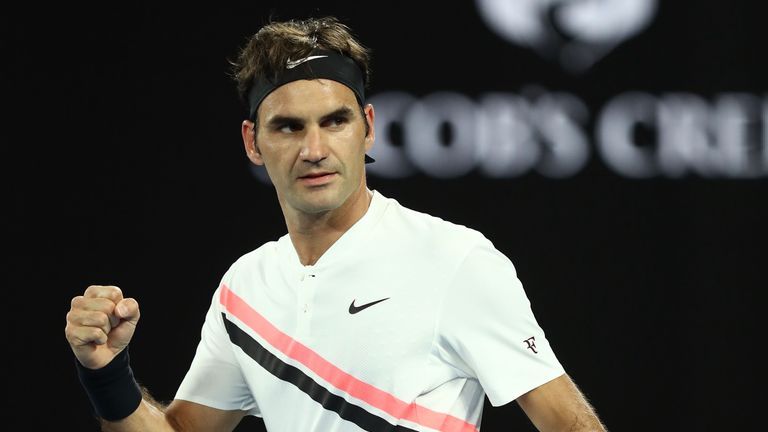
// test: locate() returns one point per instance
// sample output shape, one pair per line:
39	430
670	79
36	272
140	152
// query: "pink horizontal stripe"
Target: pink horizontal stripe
338	378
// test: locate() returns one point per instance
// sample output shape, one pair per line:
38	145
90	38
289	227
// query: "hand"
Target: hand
100	324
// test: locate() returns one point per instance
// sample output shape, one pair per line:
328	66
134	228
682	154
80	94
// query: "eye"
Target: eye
336	121
289	127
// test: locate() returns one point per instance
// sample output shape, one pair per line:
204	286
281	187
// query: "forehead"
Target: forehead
306	98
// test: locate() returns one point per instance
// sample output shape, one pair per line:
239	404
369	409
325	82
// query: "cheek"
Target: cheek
274	150
355	140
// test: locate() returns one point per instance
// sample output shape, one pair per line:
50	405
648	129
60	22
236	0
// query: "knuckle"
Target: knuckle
76	302
105	291
100	320
102	305
68	332
113	293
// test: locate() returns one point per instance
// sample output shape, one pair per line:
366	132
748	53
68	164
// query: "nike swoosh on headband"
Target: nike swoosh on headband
290	64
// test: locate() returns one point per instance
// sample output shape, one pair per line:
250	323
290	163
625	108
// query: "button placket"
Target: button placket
305	306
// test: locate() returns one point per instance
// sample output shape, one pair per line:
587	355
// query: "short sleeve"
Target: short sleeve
487	329
215	379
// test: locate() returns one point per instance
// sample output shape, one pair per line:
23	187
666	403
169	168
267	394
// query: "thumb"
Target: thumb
128	310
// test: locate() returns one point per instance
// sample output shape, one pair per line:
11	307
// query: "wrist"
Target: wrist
112	390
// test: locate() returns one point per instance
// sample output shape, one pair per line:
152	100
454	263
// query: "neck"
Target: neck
313	234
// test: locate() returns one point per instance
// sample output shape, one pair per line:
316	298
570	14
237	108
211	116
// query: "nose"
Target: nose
313	147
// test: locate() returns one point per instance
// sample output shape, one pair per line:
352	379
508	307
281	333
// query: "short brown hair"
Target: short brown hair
268	50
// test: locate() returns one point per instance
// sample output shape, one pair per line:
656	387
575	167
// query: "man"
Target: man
365	316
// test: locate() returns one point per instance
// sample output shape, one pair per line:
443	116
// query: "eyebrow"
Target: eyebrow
278	120
344	111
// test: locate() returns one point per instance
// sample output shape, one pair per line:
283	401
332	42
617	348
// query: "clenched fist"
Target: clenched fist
100	324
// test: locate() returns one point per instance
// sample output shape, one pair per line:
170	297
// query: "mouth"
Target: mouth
317	178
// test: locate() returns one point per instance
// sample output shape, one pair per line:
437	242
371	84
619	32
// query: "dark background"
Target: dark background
124	163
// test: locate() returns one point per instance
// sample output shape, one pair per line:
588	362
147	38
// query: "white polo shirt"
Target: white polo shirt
404	324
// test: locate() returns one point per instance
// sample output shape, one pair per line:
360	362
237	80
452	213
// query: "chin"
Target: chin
323	199
320	204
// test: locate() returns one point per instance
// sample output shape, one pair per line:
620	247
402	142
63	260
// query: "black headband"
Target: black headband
318	64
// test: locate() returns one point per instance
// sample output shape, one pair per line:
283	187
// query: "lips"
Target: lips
315	175
317	178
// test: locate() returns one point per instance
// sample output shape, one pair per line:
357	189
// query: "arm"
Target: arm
558	405
100	324
179	416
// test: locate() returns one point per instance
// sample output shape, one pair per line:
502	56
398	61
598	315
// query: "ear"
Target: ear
369	118
249	141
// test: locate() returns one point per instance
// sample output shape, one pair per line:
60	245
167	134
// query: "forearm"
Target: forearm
584	422
583	417
559	406
119	401
149	416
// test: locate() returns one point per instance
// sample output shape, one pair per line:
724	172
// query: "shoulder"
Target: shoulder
429	233
261	257
431	224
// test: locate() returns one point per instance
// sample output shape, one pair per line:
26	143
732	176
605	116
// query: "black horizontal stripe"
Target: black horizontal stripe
291	374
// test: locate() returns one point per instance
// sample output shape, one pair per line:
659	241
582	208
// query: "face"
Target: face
311	139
